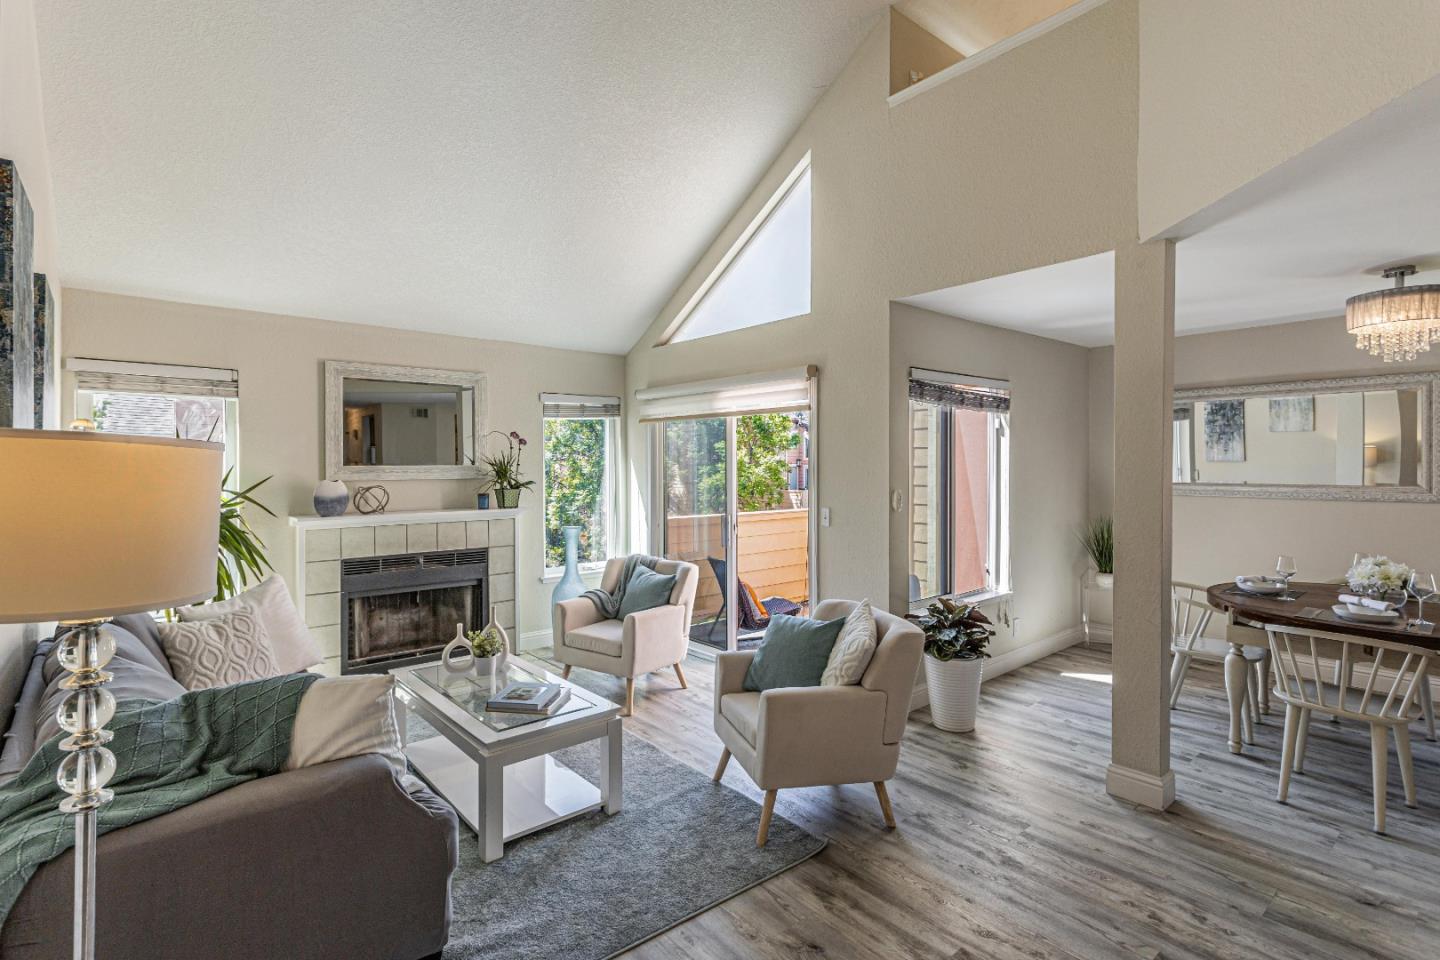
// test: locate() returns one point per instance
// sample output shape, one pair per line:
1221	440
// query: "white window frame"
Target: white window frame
168	380
756	223
608	498
997	556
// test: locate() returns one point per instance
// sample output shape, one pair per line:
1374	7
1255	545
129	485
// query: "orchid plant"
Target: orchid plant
504	467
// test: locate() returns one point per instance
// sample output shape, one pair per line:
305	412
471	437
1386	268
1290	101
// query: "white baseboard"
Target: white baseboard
1100	633
1003	663
1139	787
532	640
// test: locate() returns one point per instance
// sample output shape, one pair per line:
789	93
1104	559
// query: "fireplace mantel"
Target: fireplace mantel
312	522
321	543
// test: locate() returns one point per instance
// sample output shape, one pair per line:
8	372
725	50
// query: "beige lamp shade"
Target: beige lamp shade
96	525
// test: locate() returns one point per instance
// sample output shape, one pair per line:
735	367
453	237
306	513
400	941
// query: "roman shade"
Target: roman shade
572	406
959	391
121	376
778	391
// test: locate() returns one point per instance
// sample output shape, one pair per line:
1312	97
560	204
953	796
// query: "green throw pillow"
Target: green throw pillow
793	653
645	590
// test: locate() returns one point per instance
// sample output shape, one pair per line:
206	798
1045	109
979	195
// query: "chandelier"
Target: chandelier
1398	323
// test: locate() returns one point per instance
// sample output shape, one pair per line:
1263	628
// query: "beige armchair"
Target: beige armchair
641	643
821	736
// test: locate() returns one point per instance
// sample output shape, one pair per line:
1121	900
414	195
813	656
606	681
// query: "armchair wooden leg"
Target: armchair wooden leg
680	675
724	762
629	696
884	797
565	674
765	812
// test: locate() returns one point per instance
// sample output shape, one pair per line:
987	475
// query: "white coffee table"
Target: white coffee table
495	768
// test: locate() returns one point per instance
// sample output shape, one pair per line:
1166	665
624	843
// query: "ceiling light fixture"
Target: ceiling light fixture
1398	323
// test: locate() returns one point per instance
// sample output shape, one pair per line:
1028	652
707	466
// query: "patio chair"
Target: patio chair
750	618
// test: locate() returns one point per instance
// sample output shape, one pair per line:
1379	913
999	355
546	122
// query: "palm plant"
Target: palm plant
242	552
1098	539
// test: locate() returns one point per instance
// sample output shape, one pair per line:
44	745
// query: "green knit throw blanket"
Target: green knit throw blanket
168	753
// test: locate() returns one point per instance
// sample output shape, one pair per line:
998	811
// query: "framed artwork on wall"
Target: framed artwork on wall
45	386
1292	414
17	302
1225	431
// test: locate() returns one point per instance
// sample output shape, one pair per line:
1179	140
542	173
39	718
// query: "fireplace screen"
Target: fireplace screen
408	624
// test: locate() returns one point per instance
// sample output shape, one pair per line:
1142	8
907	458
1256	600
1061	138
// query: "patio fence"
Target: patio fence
774	553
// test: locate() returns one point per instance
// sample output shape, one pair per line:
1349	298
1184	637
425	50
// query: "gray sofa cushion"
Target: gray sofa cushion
137	670
19	740
147	631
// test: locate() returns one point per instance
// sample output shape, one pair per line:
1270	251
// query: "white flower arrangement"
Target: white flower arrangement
1378	575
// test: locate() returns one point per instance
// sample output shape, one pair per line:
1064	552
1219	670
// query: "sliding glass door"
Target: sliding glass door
736	502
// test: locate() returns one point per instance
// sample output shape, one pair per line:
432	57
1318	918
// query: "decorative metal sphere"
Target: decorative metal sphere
372	499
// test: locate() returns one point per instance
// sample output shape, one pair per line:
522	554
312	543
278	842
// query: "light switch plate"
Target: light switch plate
824	516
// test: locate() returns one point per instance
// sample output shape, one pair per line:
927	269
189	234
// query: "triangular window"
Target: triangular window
765	276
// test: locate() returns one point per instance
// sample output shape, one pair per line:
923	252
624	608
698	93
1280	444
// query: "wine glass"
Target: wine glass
1285	569
1423	586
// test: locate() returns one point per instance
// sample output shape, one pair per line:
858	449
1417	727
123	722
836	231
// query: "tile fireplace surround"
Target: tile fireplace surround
322	542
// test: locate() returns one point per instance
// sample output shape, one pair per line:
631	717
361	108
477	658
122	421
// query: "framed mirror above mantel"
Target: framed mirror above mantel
1343	438
385	422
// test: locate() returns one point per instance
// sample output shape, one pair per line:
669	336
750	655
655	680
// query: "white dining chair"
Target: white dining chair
1427	700
1394	673
1190	615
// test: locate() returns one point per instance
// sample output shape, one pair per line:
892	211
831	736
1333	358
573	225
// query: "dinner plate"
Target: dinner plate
1364	616
1260	587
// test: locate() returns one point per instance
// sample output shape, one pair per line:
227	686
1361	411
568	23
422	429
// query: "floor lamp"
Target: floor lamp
92	526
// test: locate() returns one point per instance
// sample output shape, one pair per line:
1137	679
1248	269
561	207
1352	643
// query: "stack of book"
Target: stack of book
532	698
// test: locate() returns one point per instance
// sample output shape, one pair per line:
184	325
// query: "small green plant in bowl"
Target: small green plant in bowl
485	643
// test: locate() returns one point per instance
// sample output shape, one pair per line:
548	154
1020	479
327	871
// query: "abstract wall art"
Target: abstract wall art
17	302
1292	414
45	386
1225	431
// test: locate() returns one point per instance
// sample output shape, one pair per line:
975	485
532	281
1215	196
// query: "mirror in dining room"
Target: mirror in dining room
389	422
1359	438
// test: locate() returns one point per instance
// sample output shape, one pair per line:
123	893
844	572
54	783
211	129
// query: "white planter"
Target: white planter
954	687
1105	581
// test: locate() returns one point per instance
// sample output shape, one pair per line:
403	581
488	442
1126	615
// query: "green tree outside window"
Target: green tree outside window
575	487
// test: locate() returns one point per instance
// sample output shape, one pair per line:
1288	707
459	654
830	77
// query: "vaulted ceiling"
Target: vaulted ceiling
542	171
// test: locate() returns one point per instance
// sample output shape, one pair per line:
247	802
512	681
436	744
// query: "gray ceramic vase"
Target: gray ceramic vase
331	498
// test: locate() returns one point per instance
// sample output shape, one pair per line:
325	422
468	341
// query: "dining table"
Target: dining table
1308	607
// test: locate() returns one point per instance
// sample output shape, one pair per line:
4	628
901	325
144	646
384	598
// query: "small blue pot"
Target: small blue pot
482	501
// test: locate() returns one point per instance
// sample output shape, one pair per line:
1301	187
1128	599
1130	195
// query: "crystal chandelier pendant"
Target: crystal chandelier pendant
1395	324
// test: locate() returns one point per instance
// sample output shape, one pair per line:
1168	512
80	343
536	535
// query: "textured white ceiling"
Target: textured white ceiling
1293	245
539	171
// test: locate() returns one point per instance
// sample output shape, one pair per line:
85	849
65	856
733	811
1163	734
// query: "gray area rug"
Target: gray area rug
593	887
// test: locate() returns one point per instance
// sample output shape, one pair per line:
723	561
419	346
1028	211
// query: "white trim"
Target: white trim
673	327
532	640
1138	787
994	50
139	369
401	516
1001	664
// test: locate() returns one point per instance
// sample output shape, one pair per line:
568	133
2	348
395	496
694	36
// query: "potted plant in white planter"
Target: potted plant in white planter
1098	539
956	635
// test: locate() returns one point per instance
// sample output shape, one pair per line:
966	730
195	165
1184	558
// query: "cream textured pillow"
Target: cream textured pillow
295	649
214	653
345	717
853	649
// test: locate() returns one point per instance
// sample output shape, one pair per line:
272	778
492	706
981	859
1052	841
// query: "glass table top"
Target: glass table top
470	693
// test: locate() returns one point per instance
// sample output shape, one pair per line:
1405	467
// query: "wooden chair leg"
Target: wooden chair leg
1427	707
1379	761
724	762
765	811
565	674
1264	668
1252	695
1407	763
1178	669
629	696
1287	755
884	797
680	675
1302	740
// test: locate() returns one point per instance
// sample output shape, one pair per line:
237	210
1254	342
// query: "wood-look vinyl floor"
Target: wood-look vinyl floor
1009	847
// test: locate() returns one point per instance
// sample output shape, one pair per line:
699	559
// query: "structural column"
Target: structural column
1144	378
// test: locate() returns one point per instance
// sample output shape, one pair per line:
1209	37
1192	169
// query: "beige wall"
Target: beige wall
1216	538
1048	447
280	360
1027	160
1232	88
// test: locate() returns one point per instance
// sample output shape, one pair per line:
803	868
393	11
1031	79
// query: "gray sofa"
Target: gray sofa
336	860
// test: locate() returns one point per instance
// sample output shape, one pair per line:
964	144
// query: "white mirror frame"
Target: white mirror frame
335	373
1424	492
